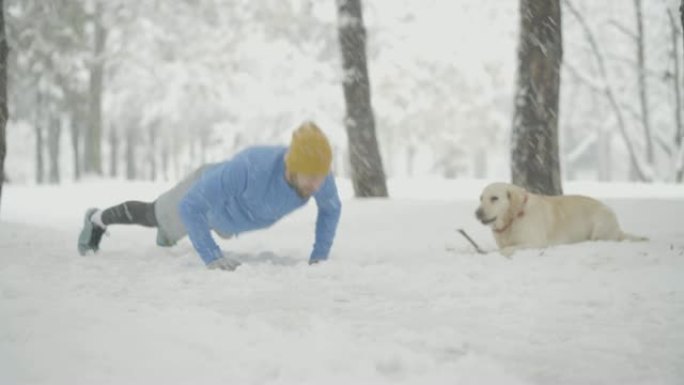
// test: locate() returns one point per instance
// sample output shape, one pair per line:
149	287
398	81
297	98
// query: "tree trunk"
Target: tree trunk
676	87
75	145
165	159
367	172
152	152
3	96
38	126
130	154
203	140
114	154
643	88
680	136
534	154
40	162
192	163
570	143
54	136
93	138
175	155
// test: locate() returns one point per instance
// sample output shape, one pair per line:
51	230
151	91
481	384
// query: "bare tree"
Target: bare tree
75	131
680	136
643	88
165	158
131	162
641	75
535	161
152	151
93	135
38	126
54	135
76	122
367	172
641	171
3	96
677	90
113	152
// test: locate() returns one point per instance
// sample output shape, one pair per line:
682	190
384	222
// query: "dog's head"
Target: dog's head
499	204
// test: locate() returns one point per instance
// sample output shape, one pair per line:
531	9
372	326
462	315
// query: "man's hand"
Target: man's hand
224	263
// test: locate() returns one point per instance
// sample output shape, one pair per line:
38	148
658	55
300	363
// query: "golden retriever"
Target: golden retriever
520	219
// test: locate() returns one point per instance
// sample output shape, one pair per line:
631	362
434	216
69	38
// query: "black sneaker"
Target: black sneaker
91	234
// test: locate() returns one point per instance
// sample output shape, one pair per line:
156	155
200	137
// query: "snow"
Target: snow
403	300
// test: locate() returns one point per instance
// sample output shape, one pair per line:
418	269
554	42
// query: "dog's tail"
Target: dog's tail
632	238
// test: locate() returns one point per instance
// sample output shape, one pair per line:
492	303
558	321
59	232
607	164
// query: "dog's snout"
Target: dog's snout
479	213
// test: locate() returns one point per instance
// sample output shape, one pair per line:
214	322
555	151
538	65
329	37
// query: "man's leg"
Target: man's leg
127	213
170	226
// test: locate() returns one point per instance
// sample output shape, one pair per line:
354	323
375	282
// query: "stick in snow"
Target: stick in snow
477	248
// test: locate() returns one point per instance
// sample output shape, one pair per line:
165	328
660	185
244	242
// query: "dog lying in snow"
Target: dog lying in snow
520	219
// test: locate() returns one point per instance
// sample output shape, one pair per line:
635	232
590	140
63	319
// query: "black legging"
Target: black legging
131	213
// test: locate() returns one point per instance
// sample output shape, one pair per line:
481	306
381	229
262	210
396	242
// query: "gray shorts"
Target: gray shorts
170	226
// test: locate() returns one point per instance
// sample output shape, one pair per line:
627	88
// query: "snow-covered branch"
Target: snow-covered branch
638	164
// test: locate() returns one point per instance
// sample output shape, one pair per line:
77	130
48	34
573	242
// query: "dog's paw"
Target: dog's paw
507	251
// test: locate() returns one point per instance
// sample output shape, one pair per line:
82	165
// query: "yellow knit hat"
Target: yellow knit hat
309	152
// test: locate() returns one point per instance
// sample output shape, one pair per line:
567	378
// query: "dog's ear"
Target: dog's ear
515	200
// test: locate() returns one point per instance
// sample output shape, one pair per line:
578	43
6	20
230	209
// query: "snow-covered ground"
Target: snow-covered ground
403	300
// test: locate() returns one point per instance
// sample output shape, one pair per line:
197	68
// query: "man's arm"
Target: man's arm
213	188
329	209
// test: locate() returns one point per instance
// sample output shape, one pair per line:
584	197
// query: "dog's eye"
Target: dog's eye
494	199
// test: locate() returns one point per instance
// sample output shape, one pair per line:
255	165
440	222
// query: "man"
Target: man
253	190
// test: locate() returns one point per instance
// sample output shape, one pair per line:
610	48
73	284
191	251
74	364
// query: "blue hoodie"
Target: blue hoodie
250	192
